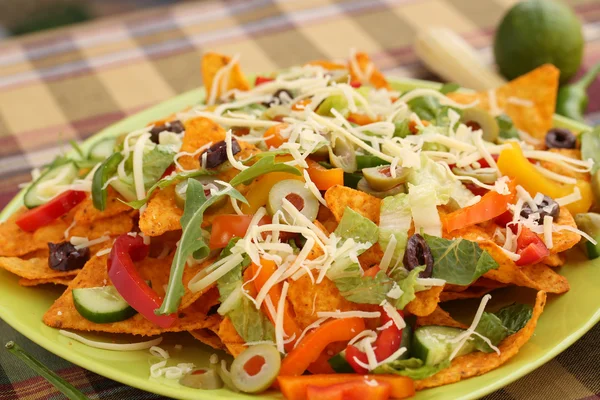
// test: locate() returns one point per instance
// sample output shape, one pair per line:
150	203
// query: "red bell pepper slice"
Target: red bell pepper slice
129	283
355	84
357	390
388	341
262	79
530	247
40	216
491	205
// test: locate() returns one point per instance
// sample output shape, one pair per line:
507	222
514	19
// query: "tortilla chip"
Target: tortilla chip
114	226
372	256
554	260
87	213
470	293
161	214
328	65
479	363
211	64
538	87
368	70
307	299
326	218
564	240
448	287
209	335
425	302
15	242
34	268
339	197
561	169
199	131
35	282
230	338
439	317
63	314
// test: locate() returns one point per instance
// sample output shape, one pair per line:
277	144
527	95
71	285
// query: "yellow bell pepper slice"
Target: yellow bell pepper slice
513	163
258	194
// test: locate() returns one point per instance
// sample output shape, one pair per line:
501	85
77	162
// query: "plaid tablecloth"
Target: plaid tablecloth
68	84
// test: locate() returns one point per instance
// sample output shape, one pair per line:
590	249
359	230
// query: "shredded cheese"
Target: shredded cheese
112	346
548	231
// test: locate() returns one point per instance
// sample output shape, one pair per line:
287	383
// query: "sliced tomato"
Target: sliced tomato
355	84
262	79
530	247
170	169
491	205
40	216
227	226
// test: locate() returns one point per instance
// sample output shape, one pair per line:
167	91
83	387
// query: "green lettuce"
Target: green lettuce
433	174
363	289
395	220
491	327
458	261
590	148
354	226
515	316
423	203
413	368
407	281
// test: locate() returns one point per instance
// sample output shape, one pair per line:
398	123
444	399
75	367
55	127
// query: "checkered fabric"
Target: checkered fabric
69	83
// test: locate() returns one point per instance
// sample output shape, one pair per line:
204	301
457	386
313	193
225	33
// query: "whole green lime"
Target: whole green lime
537	32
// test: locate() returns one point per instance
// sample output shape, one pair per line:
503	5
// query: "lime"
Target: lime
537	32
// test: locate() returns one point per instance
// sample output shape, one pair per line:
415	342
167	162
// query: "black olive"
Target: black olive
65	257
418	253
217	153
173	126
279	97
560	138
546	207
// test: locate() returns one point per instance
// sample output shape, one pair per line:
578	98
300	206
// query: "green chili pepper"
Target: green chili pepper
101	176
59	383
572	99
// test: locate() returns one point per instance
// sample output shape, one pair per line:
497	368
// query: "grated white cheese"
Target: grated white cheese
388	254
348	314
138	166
519	101
570	198
393	314
279	332
548	231
463	337
112	346
82	242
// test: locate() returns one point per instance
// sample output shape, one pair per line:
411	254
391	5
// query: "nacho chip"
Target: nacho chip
211	64
425	302
365	70
114	226
233	342
479	363
339	197
471	293
199	131
63	314
35	282
87	213
161	214
563	240
34	268
328	65
561	169
554	260
538	87
307	299
209	335
439	317
15	242
372	256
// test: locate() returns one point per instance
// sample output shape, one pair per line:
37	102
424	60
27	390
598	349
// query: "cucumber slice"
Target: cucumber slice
407	334
124	189
432	344
102	149
339	363
102	304
47	185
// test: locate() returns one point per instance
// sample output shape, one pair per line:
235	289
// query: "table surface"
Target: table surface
67	84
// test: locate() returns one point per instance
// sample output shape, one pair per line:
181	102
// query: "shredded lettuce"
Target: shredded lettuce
423	202
434	174
354	226
407	281
394	220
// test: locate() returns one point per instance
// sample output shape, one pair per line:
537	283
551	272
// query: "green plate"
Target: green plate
566	318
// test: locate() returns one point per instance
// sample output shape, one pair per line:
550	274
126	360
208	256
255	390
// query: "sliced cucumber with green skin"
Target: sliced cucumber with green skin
102	304
340	364
64	174
406	341
433	345
124	189
102	149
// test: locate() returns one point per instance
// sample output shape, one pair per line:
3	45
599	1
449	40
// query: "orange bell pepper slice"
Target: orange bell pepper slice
491	205
513	163
289	322
313	344
361	119
300	105
324	178
296	387
276	139
350	391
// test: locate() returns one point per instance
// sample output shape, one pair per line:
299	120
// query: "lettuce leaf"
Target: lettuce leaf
355	226
434	174
156	162
491	327
412	368
394	220
423	203
515	316
363	289
408	283
458	261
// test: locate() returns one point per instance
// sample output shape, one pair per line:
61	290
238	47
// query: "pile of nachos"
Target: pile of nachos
310	223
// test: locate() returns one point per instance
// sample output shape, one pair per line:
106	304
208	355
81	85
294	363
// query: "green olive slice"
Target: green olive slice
363	186
380	178
294	191
476	118
206	181
256	368
342	155
485	175
202	379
